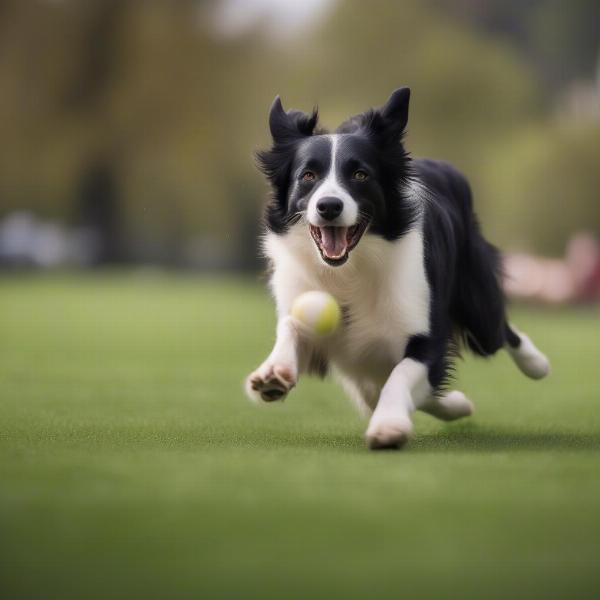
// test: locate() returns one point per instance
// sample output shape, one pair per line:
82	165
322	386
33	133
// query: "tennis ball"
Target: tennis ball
318	312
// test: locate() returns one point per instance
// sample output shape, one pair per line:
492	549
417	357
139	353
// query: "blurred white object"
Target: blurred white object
280	18
17	232
27	241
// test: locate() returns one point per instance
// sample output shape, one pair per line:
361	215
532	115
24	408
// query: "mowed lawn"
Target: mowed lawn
131	465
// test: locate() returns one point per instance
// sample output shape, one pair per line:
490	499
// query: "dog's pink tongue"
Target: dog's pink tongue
333	241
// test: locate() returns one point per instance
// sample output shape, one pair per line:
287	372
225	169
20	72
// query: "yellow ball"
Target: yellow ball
318	312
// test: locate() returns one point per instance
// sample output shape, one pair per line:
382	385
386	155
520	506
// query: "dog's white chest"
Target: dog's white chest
383	292
370	341
378	324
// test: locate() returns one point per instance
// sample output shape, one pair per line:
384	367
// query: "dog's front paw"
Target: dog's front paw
271	382
388	433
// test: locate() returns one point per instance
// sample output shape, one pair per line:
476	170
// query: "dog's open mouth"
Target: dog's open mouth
335	243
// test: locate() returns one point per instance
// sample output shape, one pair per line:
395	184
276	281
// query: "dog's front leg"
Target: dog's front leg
279	372
405	390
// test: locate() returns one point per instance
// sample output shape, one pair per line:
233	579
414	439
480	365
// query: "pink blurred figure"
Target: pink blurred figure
576	278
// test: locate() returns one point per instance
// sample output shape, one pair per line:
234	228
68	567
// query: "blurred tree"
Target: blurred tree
561	39
98	210
168	111
543	186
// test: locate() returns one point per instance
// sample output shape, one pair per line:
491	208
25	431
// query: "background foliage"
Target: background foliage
168	106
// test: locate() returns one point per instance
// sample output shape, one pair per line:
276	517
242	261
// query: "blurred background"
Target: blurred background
128	127
131	465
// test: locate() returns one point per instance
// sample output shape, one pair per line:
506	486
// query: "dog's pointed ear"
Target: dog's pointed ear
395	110
386	125
291	125
277	118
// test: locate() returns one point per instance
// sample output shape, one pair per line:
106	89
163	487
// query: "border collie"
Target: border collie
395	240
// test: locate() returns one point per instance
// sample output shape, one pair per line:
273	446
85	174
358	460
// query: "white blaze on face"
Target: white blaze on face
331	187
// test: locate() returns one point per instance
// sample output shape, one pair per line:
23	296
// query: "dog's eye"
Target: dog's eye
359	175
308	176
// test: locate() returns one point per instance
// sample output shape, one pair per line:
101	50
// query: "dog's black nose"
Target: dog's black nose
329	208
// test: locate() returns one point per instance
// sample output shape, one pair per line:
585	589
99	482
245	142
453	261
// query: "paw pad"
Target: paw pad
271	382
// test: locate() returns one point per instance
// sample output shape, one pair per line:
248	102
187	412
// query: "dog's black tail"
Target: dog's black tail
479	304
480	311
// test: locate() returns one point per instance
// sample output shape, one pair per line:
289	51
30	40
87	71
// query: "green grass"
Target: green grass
131	465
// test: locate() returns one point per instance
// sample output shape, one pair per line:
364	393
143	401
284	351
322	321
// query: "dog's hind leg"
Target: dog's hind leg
525	355
448	407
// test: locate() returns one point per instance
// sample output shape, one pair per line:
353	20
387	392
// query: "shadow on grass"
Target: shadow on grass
454	438
491	440
463	438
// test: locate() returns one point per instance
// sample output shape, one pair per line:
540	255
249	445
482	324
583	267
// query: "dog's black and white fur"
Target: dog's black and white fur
396	242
